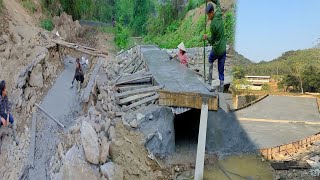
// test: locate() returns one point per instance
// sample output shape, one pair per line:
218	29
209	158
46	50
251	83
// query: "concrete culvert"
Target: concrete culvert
186	126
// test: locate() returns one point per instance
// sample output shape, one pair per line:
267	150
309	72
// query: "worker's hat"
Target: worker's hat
182	47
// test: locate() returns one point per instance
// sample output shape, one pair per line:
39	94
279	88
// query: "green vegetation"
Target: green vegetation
165	24
187	30
229	26
238	72
236	83
47	24
29	5
265	87
100	10
1	5
298	71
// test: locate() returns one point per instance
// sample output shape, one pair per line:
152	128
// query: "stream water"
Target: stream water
239	168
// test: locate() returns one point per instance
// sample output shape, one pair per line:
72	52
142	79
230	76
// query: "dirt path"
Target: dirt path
61	102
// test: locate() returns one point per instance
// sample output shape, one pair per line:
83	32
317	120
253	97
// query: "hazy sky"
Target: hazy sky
267	28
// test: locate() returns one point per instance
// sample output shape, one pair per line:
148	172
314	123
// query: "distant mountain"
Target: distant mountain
240	60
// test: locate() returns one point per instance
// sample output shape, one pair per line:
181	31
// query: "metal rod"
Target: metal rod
204	46
49	115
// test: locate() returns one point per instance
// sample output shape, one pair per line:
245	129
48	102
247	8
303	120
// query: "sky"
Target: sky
267	28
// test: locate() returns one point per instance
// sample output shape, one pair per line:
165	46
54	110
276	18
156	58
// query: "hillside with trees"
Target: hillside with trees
299	70
163	22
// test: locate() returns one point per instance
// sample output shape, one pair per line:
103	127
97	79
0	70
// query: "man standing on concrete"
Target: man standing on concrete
217	40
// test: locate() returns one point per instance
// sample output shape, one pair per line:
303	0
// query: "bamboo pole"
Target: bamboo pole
204	45
50	116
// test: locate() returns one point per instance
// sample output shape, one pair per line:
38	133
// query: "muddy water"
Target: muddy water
239	168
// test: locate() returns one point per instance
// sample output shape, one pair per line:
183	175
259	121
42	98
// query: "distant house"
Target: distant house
257	81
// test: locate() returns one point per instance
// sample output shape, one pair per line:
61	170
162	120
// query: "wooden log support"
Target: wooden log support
138	66
133	79
80	48
129	70
143	101
186	99
86	93
198	175
287	165
135	97
135	75
133	59
138	91
133	87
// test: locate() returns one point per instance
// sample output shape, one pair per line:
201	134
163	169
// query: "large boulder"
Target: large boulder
36	77
89	139
112	171
157	124
76	167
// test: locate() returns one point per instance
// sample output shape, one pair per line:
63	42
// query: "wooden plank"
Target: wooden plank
86	93
187	99
51	117
286	165
133	79
137	91
135	97
138	66
33	139
198	175
81	49
129	70
73	44
133	59
143	101
132	87
137	74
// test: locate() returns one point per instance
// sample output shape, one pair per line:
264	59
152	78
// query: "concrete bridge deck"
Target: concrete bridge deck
181	85
175	76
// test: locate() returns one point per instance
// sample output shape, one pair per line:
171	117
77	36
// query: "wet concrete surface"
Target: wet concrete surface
283	108
63	103
175	76
228	134
225	135
266	135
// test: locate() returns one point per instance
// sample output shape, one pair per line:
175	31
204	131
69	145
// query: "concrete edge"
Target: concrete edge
251	103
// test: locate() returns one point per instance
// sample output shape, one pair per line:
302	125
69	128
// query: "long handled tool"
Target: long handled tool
204	46
54	119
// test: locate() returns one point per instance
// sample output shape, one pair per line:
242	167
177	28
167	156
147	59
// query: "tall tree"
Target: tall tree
297	69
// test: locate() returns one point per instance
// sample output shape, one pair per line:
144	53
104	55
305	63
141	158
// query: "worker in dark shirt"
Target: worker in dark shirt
78	75
5	111
5	107
217	40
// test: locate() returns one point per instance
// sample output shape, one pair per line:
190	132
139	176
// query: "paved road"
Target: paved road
283	108
227	133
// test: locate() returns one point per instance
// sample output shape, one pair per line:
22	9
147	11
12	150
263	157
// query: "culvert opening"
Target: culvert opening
186	126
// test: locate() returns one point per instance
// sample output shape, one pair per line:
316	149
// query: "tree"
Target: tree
238	72
297	71
290	80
